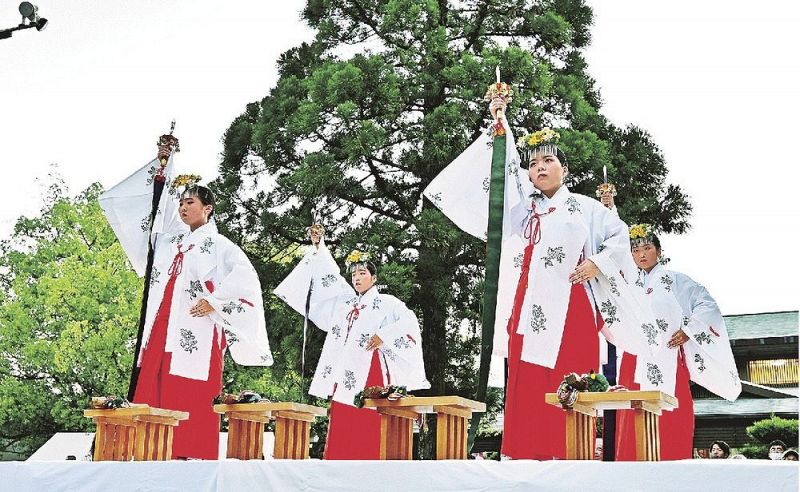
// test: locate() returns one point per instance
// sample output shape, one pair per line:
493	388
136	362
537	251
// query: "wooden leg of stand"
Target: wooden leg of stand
232	437
384	450
648	446
151	441
141	437
252	442
119	442
292	434
402	435
168	450
290	437
306	440
99	441
245	444
280	439
284	438
259	441
586	436
160	441
396	437
639	428
108	442
451	436
131	431
572	431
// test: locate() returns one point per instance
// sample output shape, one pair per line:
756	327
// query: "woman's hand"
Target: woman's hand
166	144
202	308
374	343
497	103
607	199
678	338
584	272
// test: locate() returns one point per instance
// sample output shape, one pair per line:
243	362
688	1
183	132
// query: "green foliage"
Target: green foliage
765	431
768	430
69	308
366	115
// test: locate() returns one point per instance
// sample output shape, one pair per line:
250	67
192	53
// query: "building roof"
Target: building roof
762	325
746	407
767	391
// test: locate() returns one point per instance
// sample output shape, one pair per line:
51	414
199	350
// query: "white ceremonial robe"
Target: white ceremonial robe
709	357
579	228
350	320
657	371
203	260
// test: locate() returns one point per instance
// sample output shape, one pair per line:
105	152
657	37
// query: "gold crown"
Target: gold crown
545	136
186	180
641	231
357	256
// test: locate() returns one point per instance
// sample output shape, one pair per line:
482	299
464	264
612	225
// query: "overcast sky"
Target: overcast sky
716	83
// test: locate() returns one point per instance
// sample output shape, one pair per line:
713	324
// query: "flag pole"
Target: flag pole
494	239
165	143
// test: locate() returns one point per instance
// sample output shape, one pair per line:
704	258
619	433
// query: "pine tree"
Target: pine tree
368	113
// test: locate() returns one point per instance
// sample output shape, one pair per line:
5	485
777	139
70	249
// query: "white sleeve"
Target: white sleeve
239	309
318	272
708	351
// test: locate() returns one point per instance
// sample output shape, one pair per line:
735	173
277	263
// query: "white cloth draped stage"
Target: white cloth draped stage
313	475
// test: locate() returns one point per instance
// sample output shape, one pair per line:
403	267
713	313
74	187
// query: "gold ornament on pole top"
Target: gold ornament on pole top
503	91
169	142
606	188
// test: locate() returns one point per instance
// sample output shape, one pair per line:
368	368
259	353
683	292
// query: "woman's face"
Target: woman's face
362	279
193	212
645	256
546	173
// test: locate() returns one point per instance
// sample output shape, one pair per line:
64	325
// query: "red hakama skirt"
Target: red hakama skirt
675	428
197	437
532	429
355	433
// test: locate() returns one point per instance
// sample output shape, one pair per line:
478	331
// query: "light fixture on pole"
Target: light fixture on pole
30	18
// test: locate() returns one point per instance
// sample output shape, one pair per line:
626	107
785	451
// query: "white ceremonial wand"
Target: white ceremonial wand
606	188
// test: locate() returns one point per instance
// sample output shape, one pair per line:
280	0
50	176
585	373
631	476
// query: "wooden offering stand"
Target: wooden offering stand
646	406
137	432
246	428
397	417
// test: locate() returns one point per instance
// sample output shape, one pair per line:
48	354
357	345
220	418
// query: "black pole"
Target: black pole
158	188
610	416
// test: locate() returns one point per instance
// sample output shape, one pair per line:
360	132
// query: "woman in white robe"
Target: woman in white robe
696	348
204	297
372	339
563	257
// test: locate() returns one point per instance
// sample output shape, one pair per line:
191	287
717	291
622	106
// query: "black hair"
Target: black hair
778	442
366	264
205	195
723	446
561	157
526	162
657	244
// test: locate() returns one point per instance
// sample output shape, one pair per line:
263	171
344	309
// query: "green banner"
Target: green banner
494	241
